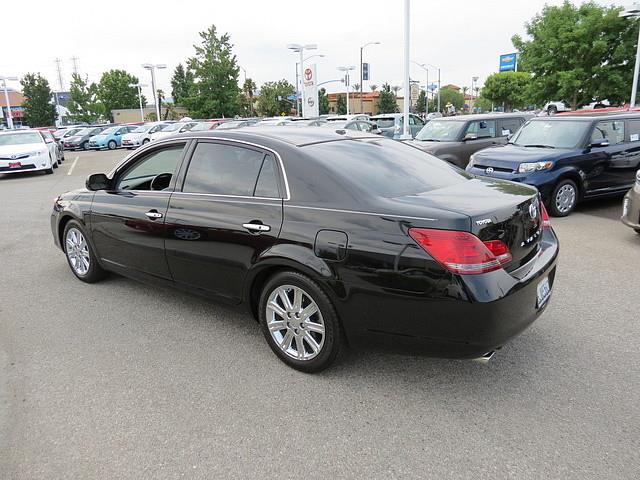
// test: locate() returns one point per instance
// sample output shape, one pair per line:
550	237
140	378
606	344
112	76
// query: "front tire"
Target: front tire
564	198
85	145
299	322
112	145
80	255
552	110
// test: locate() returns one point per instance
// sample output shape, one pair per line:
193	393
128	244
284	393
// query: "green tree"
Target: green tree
323	101
447	95
507	88
181	84
84	105
39	111
483	104
373	87
387	102
248	90
421	101
273	98
215	71
341	104
578	53
115	91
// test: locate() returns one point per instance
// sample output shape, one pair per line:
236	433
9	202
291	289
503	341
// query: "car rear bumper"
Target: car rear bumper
489	310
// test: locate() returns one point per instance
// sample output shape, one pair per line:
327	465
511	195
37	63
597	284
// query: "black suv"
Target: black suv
568	157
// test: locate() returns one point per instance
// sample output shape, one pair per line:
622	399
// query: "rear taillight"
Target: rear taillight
462	252
546	221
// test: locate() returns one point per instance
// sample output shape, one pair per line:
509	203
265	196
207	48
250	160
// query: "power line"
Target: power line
59	69
74	60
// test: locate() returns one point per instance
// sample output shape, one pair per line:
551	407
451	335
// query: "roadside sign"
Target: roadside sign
365	71
508	62
310	85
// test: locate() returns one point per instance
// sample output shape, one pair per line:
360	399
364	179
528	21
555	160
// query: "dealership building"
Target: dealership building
17	112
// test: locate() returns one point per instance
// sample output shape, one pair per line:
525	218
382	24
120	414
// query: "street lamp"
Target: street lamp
298	48
361	75
139	87
347	81
406	132
6	98
426	92
474	81
152	68
634	11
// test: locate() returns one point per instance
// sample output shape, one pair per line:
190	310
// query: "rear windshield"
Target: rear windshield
384	122
551	134
384	167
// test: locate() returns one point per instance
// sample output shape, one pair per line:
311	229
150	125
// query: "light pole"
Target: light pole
347	81
139	87
474	81
406	132
425	67
361	75
634	11
152	68
298	48
6	99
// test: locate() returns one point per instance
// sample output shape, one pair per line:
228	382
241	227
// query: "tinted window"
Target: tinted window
613	130
267	184
385	122
225	170
139	176
384	167
483	128
634	130
509	126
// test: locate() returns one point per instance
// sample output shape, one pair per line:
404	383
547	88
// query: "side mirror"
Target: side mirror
376	131
97	181
470	136
600	142
117	133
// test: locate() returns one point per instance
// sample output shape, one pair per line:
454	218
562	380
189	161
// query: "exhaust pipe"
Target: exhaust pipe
485	358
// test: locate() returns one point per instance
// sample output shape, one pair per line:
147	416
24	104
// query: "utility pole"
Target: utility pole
406	132
361	75
61	88
74	61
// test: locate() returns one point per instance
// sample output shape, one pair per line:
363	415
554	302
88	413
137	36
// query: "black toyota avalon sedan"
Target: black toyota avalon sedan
327	237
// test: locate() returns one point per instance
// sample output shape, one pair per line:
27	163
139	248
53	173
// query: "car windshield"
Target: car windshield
142	129
172	127
384	167
85	131
384	122
551	134
441	131
229	125
201	126
20	138
108	131
335	124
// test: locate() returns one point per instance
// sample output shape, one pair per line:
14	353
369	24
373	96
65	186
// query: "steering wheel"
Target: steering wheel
161	181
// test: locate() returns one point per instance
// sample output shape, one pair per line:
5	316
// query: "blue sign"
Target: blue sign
432	87
293	98
365	71
508	62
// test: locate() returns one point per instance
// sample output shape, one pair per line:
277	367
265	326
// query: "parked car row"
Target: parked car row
29	151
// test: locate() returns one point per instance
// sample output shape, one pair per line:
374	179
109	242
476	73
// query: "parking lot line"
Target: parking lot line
73	165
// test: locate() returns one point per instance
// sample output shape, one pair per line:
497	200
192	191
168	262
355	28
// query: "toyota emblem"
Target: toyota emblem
533	211
489	170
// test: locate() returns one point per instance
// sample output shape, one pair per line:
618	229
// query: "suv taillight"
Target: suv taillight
546	221
462	252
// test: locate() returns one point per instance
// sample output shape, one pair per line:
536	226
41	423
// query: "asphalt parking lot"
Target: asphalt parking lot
120	380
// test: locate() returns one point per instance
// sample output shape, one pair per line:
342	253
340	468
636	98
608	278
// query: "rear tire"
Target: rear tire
80	255
564	198
48	171
303	331
145	141
552	110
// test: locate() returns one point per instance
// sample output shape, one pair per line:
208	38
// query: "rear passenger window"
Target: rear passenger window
634	130
222	169
612	130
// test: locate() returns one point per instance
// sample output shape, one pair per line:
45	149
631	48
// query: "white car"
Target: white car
142	134
25	151
551	108
172	129
347	118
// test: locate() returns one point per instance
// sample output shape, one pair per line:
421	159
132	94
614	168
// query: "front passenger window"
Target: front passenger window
153	172
612	130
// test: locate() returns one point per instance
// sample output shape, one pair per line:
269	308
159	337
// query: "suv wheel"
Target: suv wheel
80	256
299	322
563	198
552	110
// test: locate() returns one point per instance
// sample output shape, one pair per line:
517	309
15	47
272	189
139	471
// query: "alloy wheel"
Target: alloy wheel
77	250
565	198
295	322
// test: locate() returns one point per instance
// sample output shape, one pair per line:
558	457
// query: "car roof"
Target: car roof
595	115
483	116
298	137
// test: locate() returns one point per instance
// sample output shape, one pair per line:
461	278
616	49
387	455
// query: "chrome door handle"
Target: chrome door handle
153	215
256	227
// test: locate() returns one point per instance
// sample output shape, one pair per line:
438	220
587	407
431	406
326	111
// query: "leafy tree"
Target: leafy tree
355	87
273	98
215	71
39	111
248	89
396	89
373	87
578	53
483	104
323	101
181	84
115	91
341	104
508	88
447	95
387	102
421	102
84	105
